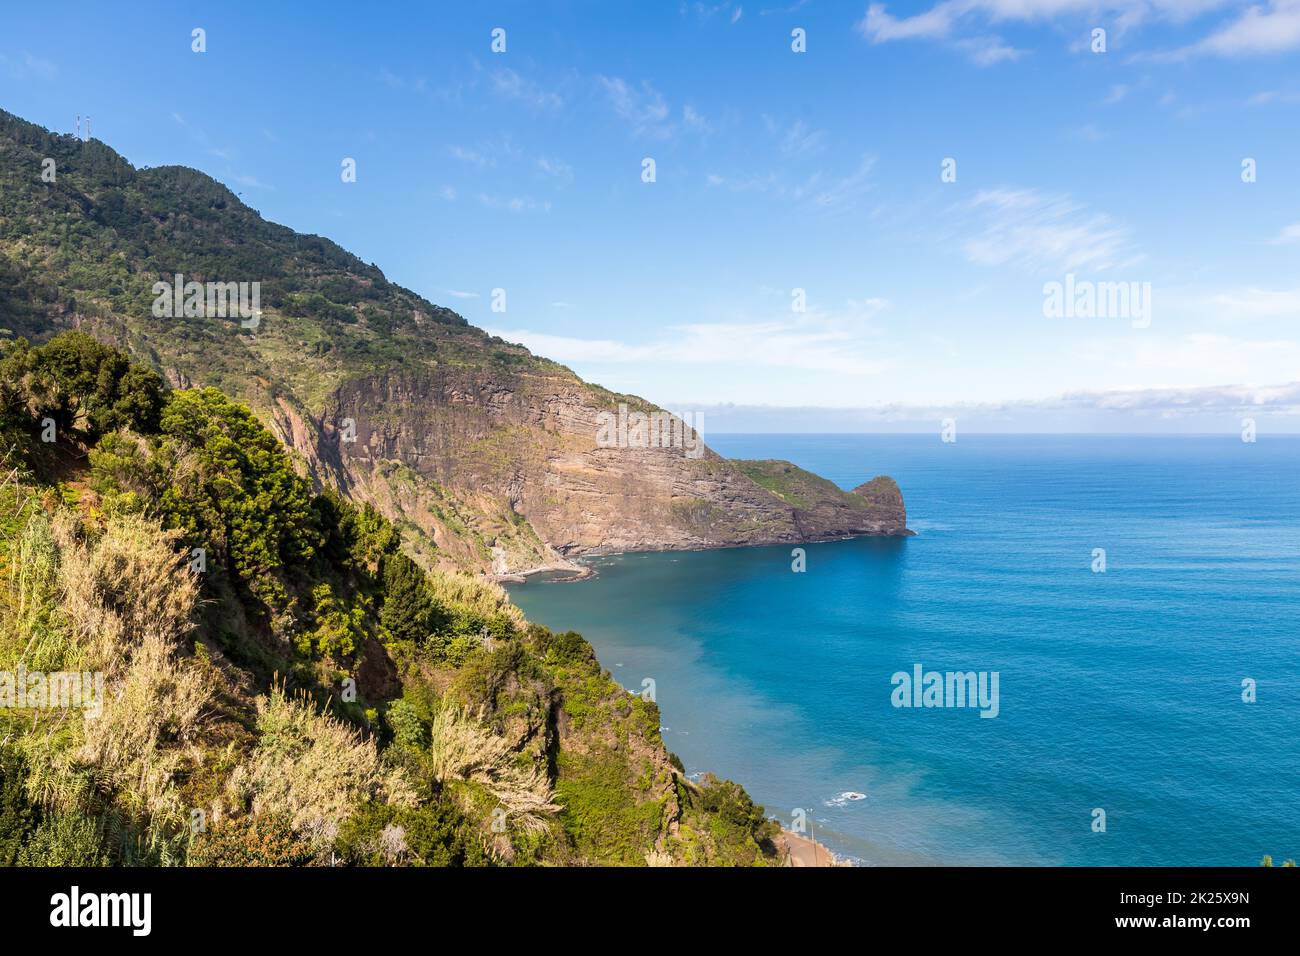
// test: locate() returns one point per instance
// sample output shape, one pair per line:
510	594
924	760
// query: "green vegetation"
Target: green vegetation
282	685
796	487
99	237
255	631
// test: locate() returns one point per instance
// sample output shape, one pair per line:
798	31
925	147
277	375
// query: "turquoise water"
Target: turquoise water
1119	690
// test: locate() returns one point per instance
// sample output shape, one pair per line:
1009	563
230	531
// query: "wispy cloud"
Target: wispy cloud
555	169
1117	92
515	203
1195	359
938	23
816	192
1265	97
472	156
1288	235
643	108
1263	30
511	85
707	11
25	66
796	139
1144	408
1042	232
840	342
252	182
1255	303
964	25
646	110
693	119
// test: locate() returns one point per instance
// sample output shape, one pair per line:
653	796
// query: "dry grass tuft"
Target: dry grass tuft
312	768
462	748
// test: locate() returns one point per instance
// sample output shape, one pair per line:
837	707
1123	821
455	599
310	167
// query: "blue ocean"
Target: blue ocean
1120	691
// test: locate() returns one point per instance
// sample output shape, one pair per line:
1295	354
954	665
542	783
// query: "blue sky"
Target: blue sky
775	171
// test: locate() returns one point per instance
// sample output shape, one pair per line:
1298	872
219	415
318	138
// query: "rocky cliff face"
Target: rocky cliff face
515	459
487	457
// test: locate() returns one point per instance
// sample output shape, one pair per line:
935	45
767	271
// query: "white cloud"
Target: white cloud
252	182
1259	31
843	193
644	109
1288	235
797	139
693	119
817	192
989	50
1195	360
843	343
472	156
1042	233
514	203
879	26
1265	97
1228	398
1258	303
948	20
457	294
509	84
555	169
1132	409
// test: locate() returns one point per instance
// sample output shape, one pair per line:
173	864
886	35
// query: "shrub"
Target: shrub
312	769
18	817
461	748
339	628
436	834
266	840
66	839
407	728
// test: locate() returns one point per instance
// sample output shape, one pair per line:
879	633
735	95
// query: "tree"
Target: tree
409	612
80	383
233	487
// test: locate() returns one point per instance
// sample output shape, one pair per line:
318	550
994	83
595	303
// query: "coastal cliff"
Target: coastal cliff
485	456
303	456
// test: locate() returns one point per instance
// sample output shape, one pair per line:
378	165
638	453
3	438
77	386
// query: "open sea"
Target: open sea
1120	692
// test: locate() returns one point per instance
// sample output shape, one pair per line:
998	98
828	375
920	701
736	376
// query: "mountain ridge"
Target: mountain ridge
483	454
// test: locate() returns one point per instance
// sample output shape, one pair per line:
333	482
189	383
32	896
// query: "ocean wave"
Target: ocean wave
845	798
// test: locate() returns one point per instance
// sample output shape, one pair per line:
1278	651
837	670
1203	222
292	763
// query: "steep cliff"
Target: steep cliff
485	456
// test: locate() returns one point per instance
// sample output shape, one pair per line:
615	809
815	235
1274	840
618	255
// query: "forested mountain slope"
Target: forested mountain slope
482	454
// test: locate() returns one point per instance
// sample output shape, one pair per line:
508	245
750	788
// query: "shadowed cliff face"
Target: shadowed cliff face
486	456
